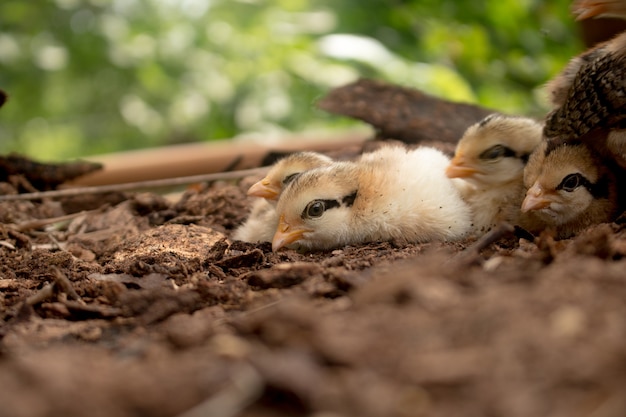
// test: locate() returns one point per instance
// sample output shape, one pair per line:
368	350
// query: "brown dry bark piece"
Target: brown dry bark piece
403	113
43	176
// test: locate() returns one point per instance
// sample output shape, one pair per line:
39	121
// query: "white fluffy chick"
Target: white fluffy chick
389	194
263	220
570	187
490	160
260	224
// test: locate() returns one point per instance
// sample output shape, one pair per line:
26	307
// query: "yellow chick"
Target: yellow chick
570	187
263	220
490	159
389	194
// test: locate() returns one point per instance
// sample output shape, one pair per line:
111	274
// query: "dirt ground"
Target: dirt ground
140	305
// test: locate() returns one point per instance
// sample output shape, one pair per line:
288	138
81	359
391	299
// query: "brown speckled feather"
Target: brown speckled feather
597	95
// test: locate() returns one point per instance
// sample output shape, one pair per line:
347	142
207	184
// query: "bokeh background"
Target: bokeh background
87	77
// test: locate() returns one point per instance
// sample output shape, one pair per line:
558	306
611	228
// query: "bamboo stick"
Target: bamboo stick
204	158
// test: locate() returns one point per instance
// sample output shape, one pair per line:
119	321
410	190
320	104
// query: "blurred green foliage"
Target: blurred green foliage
95	76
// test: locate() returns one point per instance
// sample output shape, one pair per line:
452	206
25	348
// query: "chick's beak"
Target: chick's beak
286	234
459	168
536	199
264	189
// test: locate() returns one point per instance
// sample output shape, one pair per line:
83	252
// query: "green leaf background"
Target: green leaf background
88	77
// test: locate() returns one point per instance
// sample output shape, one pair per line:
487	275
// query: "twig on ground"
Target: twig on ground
7	244
43	294
78	308
64	284
470	254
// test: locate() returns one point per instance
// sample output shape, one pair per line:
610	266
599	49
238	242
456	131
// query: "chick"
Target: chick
260	224
389	194
263	220
490	160
570	187
284	171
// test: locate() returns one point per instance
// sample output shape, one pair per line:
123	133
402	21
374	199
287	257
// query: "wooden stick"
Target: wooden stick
130	186
472	253
206	157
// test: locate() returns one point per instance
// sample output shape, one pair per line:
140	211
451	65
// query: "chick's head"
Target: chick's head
316	208
495	150
285	170
566	181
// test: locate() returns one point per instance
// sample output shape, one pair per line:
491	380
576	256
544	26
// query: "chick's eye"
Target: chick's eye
496	151
571	182
315	209
290	178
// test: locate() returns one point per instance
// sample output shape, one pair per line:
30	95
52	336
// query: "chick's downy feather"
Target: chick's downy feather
570	187
260	224
390	194
263	220
283	171
489	164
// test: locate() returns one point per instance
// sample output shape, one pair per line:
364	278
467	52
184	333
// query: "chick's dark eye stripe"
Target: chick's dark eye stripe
582	181
328	204
290	178
486	120
524	157
598	190
506	152
347	201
